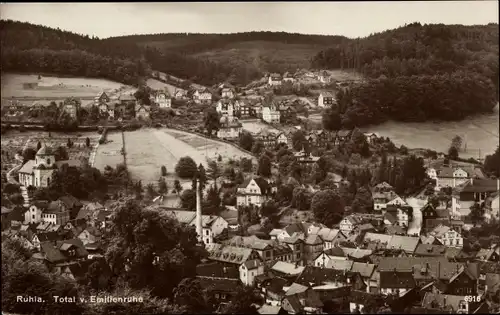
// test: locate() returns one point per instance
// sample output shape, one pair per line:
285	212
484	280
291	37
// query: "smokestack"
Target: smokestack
199	228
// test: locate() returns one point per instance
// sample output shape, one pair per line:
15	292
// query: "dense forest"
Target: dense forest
32	48
416	73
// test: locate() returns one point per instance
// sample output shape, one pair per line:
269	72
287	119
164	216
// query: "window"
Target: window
223	296
33	217
206	232
216	295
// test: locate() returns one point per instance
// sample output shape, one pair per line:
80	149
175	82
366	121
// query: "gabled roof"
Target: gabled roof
328	234
45	150
396	280
340	264
314	276
27	168
53	251
482	185
229	254
296	288
70	201
287	268
407	243
364	269
313	239
219	285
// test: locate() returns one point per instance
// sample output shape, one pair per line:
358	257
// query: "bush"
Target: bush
186	167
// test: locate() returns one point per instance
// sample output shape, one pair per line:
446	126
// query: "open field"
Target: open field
255	126
158	85
53	87
109	153
149	149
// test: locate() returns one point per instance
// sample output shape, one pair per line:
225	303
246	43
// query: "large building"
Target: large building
38	172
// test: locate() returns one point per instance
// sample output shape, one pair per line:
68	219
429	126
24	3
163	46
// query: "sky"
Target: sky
351	19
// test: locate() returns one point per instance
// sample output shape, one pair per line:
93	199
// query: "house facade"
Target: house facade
230	128
252	192
274	79
326	99
271	115
163	100
38	172
202	96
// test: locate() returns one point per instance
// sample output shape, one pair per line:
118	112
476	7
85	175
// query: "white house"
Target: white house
324	77
225	107
227	92
142	111
163	99
450	177
202	96
282	138
400	213
492	208
288	77
447	236
252	191
348	224
230	128
270	114
326	99
54	212
212	225
274	79
249	270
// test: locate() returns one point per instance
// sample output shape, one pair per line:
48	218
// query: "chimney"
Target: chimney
199	228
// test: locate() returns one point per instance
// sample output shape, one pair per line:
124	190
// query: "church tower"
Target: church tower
199	227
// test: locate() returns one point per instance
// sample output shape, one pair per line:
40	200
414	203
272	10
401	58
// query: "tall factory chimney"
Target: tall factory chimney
199	228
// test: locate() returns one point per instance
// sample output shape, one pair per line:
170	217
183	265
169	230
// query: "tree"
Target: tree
201	176
162	186
150	190
246	140
331	119
28	154
22	275
142	95
211	120
163	170
87	142
257	147
186	167
363	201
299	141
213	172
177	187
188	199
301	198
242	302
69	144
38	146
492	163
246	164
190	293
264	168
453	153
145	248
61	154
328	207
456	142
212	201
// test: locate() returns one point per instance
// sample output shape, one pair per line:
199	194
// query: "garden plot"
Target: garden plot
148	149
109	153
15	141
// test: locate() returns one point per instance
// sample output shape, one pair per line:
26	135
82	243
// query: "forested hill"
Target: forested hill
32	48
239	57
418	72
202	58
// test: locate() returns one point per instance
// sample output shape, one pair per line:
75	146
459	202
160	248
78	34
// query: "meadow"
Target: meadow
51	87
